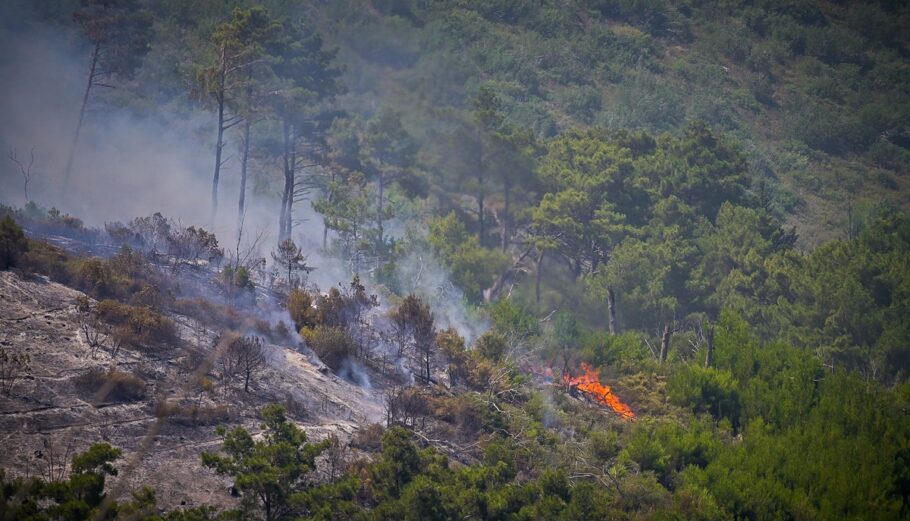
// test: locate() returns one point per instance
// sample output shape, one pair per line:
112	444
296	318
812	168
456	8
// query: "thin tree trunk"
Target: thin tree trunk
480	216
243	170
709	347
506	216
292	185
88	88
611	310
539	274
286	156
379	238
665	343
219	144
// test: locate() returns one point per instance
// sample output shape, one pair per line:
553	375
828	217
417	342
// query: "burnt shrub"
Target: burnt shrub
192	414
368	438
111	385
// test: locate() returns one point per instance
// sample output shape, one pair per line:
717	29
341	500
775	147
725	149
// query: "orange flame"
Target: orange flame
589	383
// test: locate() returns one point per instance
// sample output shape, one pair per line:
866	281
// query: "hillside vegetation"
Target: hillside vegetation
598	260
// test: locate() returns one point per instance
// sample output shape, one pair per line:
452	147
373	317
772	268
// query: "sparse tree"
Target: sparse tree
307	82
243	357
390	156
238	46
24	169
414	321
119	32
190	245
12	366
291	260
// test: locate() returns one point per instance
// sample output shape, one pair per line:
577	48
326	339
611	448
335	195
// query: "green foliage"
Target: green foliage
473	267
13	243
80	496
267	472
334	345
706	390
511	317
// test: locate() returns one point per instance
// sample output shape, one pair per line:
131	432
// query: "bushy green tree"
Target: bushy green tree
269	471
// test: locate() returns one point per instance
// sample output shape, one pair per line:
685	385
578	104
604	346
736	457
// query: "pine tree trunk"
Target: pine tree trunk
244	160
88	88
665	343
480	216
219	144
506	216
611	310
539	274
292	185
286	156
380	239
709	347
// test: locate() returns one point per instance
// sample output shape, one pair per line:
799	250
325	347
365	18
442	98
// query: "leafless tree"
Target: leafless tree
244	357
51	462
24	169
12	366
91	330
336	455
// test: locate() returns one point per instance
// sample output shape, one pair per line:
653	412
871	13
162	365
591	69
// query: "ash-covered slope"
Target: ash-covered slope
154	405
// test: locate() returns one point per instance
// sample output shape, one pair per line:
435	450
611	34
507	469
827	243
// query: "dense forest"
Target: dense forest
690	214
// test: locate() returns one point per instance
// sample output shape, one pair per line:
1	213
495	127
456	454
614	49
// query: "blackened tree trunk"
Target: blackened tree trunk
611	310
287	195
709	346
665	343
88	87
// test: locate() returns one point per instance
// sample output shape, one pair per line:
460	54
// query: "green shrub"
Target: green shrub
332	344
706	390
491	346
13	243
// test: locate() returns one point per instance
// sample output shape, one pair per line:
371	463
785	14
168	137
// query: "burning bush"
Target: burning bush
589	383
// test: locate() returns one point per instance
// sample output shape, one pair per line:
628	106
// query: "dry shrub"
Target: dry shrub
120	386
191	415
137	326
368	438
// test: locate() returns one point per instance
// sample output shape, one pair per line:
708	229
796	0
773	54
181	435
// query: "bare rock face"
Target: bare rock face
66	395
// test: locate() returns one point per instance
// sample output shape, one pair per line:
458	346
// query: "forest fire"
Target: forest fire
589	384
